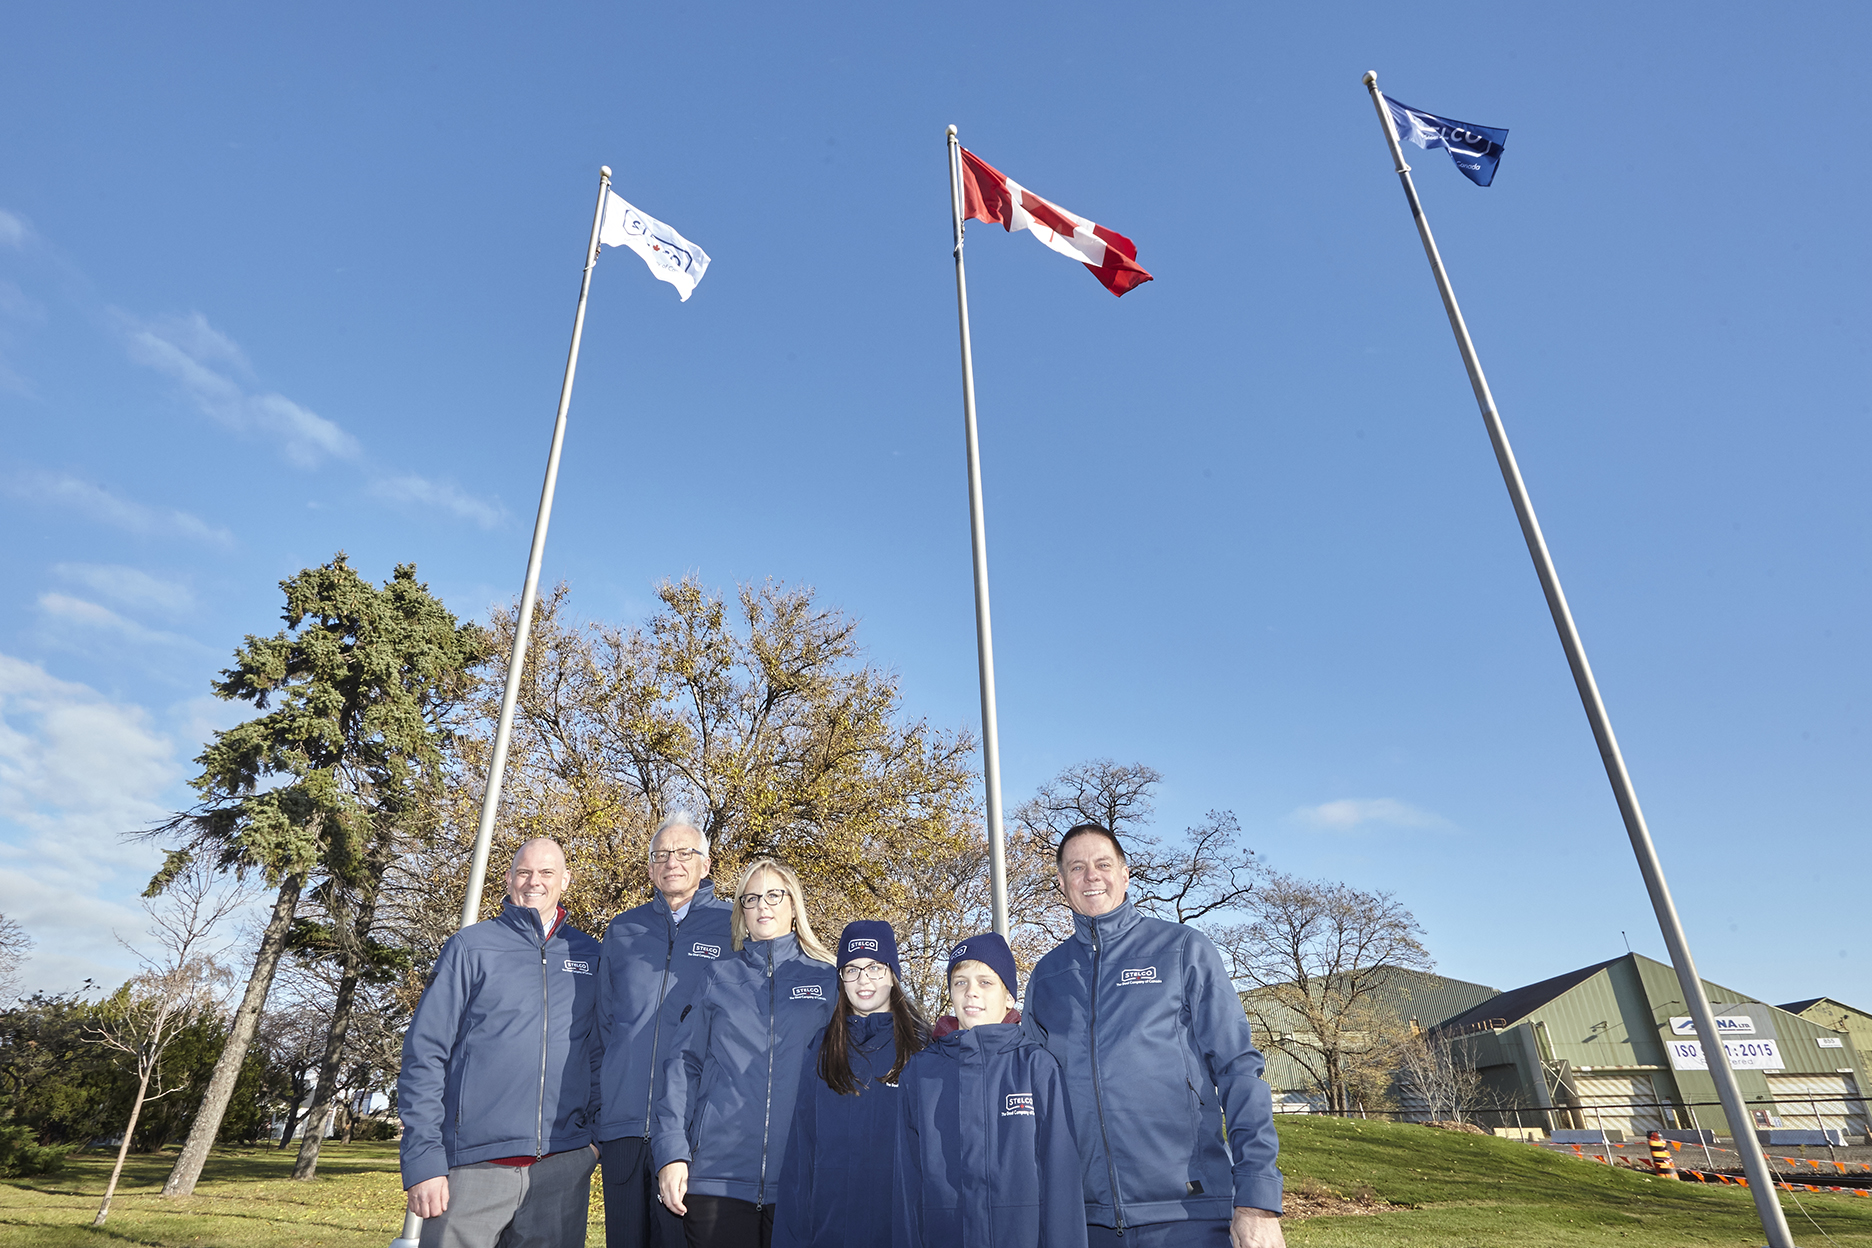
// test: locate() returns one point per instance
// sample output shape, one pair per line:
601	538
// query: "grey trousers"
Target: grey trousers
543	1205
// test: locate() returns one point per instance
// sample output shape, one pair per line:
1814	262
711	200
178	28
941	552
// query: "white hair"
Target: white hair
681	819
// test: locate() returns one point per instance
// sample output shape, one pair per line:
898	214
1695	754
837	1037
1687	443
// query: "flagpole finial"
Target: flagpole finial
1371	78
952	131
604	171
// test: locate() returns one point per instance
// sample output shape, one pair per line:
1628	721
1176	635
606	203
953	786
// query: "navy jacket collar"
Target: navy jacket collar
704	893
781	948
523	919
964	1044
871	1031
1115	922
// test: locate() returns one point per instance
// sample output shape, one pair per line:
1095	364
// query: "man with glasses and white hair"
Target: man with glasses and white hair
656	957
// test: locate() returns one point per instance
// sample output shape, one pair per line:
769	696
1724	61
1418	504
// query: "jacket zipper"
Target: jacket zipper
988	1129
545	1035
656	1030
1098	1092
760	1195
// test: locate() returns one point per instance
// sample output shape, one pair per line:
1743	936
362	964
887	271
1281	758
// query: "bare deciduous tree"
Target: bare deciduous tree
1441	1075
1314	956
177	988
14	945
1205	876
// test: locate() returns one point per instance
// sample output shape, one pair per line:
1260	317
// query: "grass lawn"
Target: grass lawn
1454	1191
246	1199
1465	1190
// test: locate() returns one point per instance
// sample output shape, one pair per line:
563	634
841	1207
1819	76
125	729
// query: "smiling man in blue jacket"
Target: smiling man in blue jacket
499	1087
656	958
1156	1053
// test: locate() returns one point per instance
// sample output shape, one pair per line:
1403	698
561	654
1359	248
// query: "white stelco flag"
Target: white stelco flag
671	257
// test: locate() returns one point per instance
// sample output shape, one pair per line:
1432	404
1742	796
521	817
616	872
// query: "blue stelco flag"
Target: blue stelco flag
1475	149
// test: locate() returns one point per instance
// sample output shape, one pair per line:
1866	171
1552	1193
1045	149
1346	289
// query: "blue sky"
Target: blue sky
274	285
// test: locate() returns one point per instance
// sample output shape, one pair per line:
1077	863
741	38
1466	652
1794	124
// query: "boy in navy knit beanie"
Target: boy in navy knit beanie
985	1152
983	982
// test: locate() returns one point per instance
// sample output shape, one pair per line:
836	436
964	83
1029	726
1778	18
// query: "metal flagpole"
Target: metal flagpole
1761	1182
503	732
984	636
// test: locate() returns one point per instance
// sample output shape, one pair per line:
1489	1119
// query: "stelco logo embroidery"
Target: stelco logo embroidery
1145	975
705	951
957	952
578	968
860	942
808	992
1019	1103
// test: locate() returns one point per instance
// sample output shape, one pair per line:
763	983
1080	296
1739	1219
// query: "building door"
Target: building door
1627	1103
1815	1100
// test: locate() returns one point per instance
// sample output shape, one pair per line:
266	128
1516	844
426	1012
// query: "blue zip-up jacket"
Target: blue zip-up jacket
502	1056
1156	1052
653	968
985	1153
838	1157
734	1070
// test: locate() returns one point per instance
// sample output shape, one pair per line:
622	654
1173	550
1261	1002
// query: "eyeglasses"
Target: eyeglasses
773	897
877	970
662	856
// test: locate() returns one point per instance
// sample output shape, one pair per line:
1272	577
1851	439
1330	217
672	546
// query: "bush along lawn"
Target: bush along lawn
1454	1190
247	1199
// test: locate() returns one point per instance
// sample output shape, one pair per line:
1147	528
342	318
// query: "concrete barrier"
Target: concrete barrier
1690	1137
1789	1138
1609	1136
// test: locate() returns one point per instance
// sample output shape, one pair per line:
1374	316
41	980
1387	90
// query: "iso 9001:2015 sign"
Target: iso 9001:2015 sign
1743	1055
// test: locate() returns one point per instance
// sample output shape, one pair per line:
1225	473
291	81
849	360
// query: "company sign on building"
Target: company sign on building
1743	1055
1726	1025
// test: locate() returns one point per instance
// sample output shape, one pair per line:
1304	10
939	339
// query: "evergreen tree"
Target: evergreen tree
351	692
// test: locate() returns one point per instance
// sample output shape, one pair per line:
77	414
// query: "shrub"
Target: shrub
22	1154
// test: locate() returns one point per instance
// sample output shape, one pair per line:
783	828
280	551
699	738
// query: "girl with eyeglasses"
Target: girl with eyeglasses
839	1159
720	1136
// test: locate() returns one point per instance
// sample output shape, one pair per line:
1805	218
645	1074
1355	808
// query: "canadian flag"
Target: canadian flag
990	195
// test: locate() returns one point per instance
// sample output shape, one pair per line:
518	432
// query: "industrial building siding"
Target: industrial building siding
1627	1103
1812	1100
1533	1045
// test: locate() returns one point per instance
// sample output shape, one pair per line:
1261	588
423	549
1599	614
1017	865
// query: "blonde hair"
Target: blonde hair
737	926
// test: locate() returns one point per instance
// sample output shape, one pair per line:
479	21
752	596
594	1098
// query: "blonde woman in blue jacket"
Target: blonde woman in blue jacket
719	1141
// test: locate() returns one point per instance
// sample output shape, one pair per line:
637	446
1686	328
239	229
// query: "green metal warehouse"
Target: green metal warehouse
1609	1047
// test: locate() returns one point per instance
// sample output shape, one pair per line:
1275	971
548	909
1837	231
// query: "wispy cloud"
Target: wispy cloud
132	587
199	358
77	770
76	612
104	507
1350	813
450	498
13	229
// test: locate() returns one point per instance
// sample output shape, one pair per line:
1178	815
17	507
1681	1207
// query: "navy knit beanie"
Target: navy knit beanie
991	950
870	938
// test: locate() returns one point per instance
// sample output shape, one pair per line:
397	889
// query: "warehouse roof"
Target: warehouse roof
1517	1003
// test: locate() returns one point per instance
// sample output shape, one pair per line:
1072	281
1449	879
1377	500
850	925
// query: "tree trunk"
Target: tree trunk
207	1124
136	1111
292	1118
306	1166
